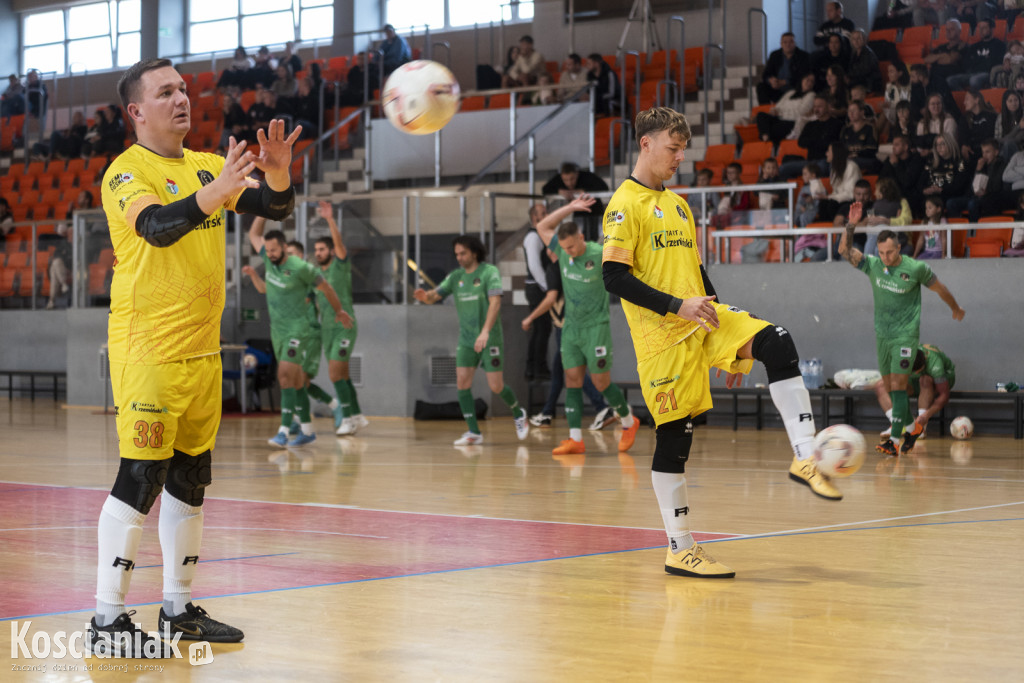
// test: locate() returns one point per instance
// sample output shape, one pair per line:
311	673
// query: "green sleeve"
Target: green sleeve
310	274
445	288
865	264
934	367
925	275
492	281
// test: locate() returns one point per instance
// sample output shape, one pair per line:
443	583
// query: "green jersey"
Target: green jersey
288	287
586	299
471	291
937	365
339	276
897	293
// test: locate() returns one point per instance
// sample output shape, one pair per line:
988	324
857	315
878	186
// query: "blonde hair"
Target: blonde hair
657	119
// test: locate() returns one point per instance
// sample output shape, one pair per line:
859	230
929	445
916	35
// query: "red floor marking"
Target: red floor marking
53	570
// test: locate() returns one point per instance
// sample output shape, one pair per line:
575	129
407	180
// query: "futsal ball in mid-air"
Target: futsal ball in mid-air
420	97
838	451
250	361
961	428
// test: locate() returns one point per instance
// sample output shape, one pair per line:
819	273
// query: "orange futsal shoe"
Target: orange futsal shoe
569	447
628	436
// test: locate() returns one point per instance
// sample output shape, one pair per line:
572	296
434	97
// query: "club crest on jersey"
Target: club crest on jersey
658	213
205	177
589	265
172	186
905	277
476	282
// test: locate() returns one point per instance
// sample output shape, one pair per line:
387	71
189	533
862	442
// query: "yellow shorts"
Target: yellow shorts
676	382
163	408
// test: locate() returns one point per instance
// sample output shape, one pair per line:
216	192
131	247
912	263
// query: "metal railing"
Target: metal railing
708	47
750	48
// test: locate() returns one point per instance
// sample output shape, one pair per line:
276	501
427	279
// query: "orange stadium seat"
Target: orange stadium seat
994	97
886	34
918	35
755	152
472	103
7	282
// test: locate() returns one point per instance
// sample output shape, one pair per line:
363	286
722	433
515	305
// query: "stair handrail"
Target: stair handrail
708	47
750	47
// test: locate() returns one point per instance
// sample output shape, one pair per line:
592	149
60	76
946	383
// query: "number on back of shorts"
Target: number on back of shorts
151	435
666	401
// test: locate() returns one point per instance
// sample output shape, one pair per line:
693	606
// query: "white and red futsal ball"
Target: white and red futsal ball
838	451
961	428
420	97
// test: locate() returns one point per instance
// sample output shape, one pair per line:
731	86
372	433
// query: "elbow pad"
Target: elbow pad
267	203
162	226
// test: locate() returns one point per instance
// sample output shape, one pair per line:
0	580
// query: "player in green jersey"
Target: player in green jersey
338	341
477	289
932	379
896	284
289	281
587	332
313	343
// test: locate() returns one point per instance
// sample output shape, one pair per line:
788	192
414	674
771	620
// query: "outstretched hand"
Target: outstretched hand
582	203
275	148
856	213
325	210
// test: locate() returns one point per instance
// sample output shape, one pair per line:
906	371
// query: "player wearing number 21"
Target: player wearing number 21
680	331
165	208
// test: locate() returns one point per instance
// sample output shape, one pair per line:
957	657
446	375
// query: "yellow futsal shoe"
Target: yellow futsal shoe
804	472
697	563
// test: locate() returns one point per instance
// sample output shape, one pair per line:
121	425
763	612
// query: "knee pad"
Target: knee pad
188	476
774	347
672	449
139	482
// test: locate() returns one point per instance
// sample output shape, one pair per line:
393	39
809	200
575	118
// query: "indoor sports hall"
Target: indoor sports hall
388	552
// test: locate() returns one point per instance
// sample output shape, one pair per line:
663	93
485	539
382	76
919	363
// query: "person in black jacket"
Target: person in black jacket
817	135
862	67
570	183
608	93
834	22
906	168
786	66
946	175
989	197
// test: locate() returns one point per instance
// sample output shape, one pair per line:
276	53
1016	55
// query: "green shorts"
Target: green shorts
590	346
339	343
314	347
294	349
491	360
896	356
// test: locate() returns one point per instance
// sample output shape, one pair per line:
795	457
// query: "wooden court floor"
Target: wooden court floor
395	556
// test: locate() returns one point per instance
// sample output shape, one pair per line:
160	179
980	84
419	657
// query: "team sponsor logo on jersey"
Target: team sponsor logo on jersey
119	180
495	351
904	364
589	265
669	238
124	201
495	362
205	177
139	407
172	186
601	362
612	238
905	352
680	211
615	217
658	213
294	343
662	381
600	351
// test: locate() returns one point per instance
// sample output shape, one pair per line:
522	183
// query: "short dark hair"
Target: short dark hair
473	244
576	59
277	236
788	34
569	167
526	39
568	229
919	69
990	142
326	241
814	169
886	235
595	56
862	184
706	172
298	245
128	84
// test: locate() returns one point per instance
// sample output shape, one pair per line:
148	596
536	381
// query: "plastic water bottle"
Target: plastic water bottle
807	373
812	377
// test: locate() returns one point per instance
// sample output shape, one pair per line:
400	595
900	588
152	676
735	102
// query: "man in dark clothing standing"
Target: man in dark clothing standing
834	22
570	183
786	66
905	167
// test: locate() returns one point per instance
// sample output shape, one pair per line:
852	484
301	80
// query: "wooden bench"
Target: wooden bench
53	375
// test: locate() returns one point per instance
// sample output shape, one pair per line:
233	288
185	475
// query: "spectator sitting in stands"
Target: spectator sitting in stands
608	94
353	91
904	168
6	219
529	69
977	125
836	94
862	67
570	183
858	136
861	194
396	50
989	195
573	75
284	85
732	206
1009	129
262	111
59	273
900	14
933	12
237	75
815	137
890	208
787	117
235	122
703	178
1017	236
835	23
1004	75
112	132
843	177
771	210
936	121
836	54
12	102
979	59
813	190
922	87
289	58
946	175
896	90
905	124
307	109
784	71
262	74
64	144
947	59
35	91
931	244
970	11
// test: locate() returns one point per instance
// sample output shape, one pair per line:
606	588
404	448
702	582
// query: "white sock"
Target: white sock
283	430
181	534
670	490
576	434
627	421
794	405
119	532
333	404
888	415
307	428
